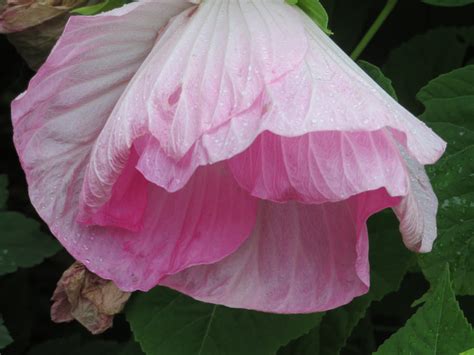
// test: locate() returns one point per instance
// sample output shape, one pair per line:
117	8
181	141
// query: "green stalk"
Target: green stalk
389	6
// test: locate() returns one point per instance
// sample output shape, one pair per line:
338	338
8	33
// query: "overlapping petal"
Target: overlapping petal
418	209
231	71
320	167
300	258
141	233
209	67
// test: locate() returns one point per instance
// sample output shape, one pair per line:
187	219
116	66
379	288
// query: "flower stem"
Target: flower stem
388	8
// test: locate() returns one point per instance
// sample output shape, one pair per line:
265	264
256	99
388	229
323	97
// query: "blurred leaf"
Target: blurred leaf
22	244
5	338
423	58
453	175
315	10
457	137
166	322
469	352
307	344
107	5
455	210
3	191
438	327
19	296
338	325
74	345
453	182
130	348
389	258
456	247
376	74
450	98
448	2
457	83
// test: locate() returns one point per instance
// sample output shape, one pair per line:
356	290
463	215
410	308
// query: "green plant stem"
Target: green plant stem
388	8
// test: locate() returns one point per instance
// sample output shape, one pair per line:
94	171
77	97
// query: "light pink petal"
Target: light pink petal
210	65
160	168
417	211
61	115
326	92
331	92
299	259
142	233
228	71
321	166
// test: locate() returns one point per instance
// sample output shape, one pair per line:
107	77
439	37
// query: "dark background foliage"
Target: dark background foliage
24	295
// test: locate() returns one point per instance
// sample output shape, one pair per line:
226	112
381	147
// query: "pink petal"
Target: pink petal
160	168
206	69
229	71
321	166
140	233
300	258
127	204
202	223
63	112
417	211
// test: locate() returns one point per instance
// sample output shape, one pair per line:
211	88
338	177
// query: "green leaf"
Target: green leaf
5	338
451	85
456	247
458	137
19	295
307	344
450	98
74	345
448	2
424	57
107	5
339	323
21	243
166	322
376	74
469	352
389	258
455	210
453	175
453	183
315	10
3	191
438	327
130	348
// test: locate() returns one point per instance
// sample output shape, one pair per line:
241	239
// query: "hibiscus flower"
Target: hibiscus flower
228	149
